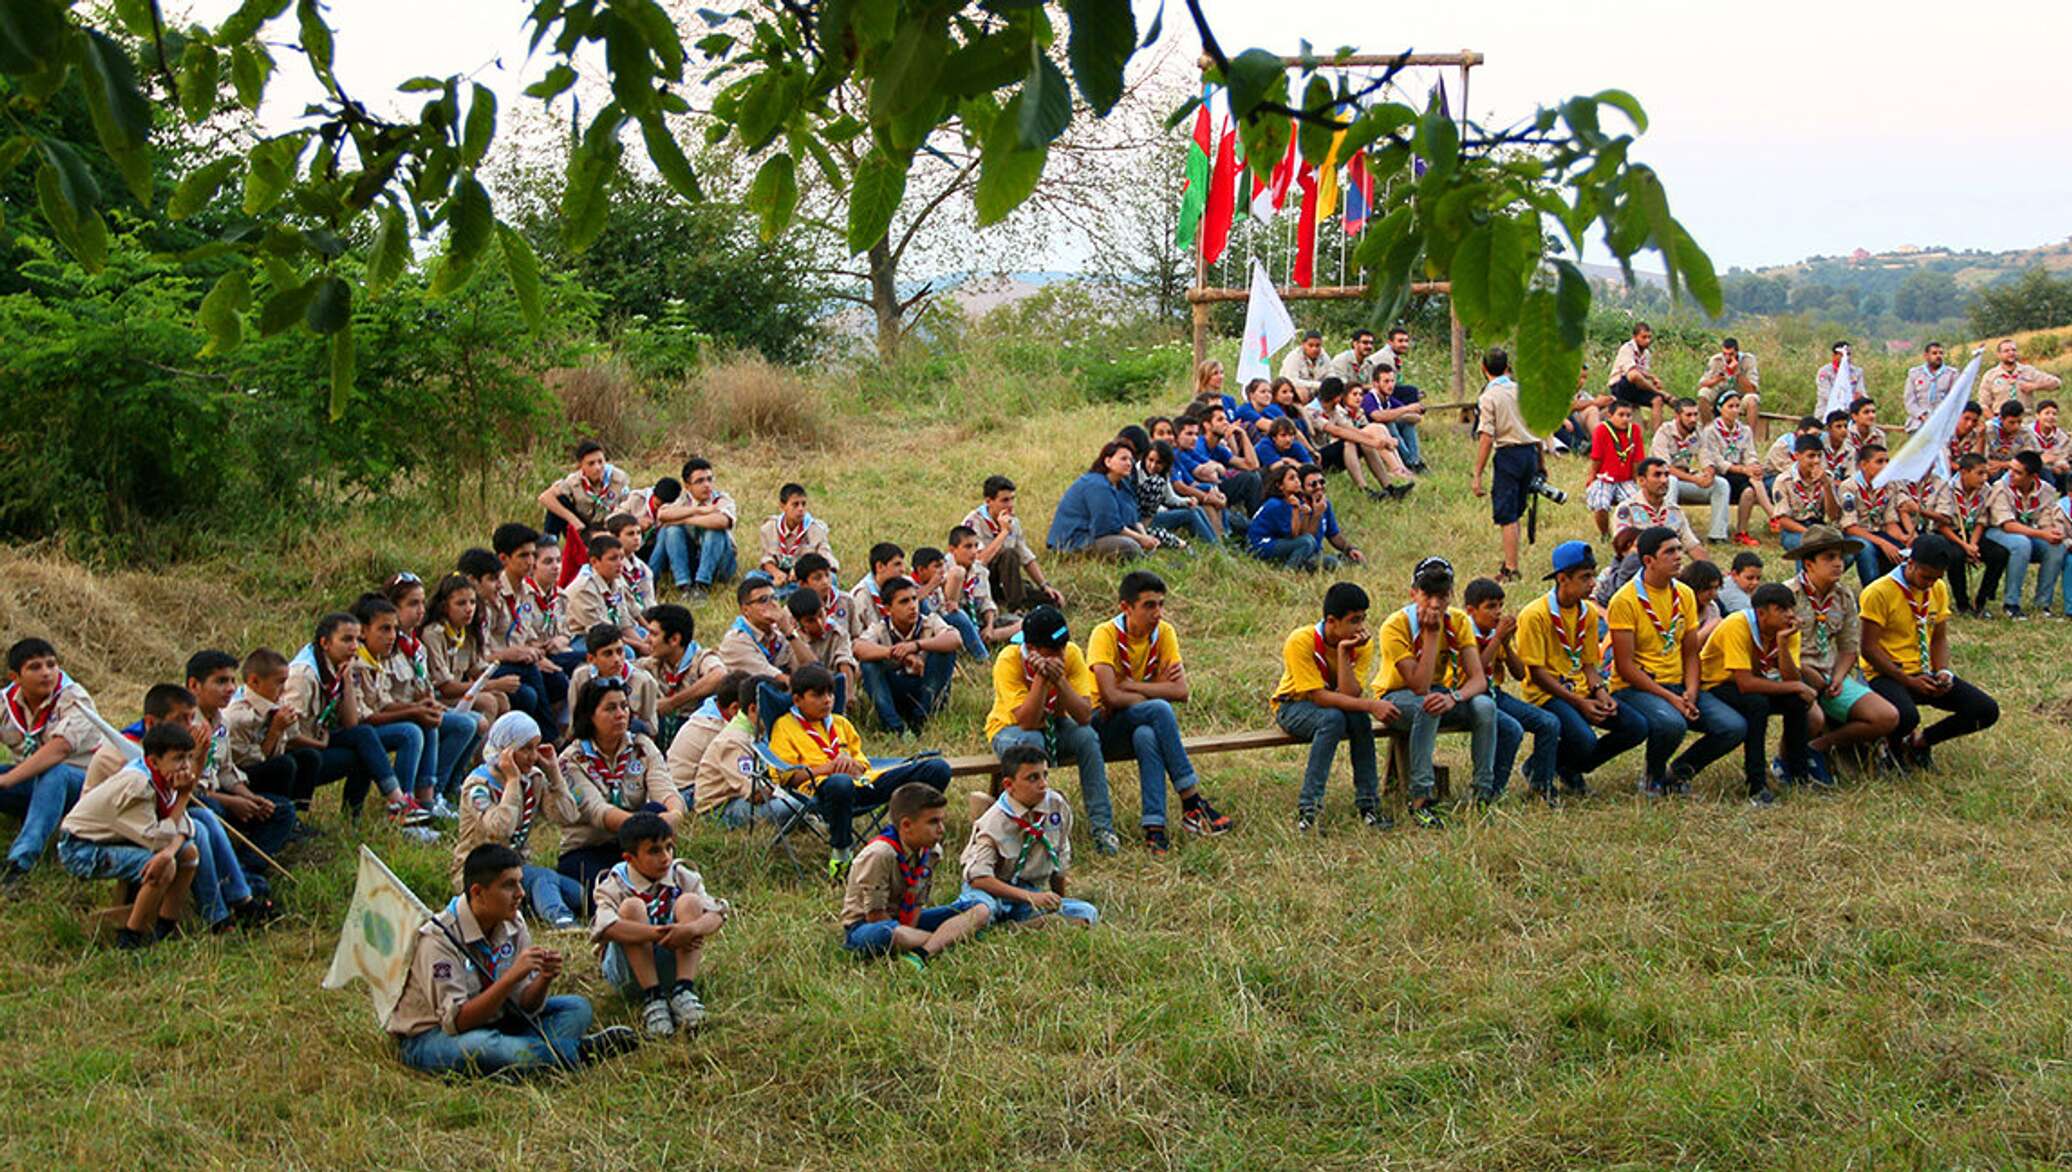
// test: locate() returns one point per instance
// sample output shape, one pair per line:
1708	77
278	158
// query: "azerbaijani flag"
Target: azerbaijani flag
1194	195
1359	193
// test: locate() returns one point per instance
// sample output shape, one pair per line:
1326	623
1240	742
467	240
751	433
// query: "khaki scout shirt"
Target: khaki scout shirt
443	978
997	843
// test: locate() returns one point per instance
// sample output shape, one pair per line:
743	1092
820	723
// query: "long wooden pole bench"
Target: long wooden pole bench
1398	779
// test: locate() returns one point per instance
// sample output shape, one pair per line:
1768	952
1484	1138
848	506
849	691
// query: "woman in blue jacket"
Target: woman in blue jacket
1098	513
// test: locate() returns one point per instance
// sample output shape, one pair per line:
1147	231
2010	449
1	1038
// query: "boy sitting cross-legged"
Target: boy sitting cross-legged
884	902
1136	664
835	771
653	917
789	534
1021	847
135	827
475	963
501	803
1043	696
908	658
1432	673
1322	698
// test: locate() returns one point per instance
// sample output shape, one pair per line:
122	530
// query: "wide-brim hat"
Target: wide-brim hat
1821	538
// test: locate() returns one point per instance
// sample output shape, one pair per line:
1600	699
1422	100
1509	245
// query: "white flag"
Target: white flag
1842	390
1267	328
1930	446
379	937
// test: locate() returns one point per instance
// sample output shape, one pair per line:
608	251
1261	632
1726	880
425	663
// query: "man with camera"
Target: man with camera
1500	430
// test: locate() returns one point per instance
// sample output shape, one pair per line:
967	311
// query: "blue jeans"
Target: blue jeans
1324	728
1081	745
1405	431
85	859
534	696
405	739
356	754
1790	539
555	897
974	643
875	936
1189	521
1584	749
563	1022
1014	911
704	556
269	834
1515	718
41	803
451	749
1149	730
1296	553
2050	565
1477	714
219	882
902	700
1720	729
839	796
740	812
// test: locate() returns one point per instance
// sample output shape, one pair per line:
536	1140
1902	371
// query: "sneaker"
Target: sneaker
1888	761
420	834
1547	795
1427	816
915	960
608	1042
256	911
1155	840
1818	775
1576	786
405	812
13	877
1762	797
686	1006
440	811
1305	821
128	940
1778	773
1653	787
1376	820
1106	842
1206	820
2015	615
1381	494
655	1018
1920	758
1399	491
1747	539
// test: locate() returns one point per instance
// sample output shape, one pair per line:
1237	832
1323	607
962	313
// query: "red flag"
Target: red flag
1284	172
1306	231
1215	234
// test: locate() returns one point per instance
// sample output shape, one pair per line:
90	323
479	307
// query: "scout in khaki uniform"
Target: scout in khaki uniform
601	594
2012	380
2023	512
1730	448
1906	654
908	658
474	964
828	639
582	499
518	783
2053	443
1005	550
1652	505
885	901
700	729
762	642
433	746
605	657
1804	493
2007	437
685	671
1881	518
1829	637
457	651
1694	479
791	533
1730	375
614	773
652	920
1021	848
136	828
1960	516
43	723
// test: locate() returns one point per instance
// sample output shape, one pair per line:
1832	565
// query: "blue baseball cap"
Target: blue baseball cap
1572	555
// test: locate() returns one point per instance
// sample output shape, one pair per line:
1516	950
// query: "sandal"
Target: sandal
1507	574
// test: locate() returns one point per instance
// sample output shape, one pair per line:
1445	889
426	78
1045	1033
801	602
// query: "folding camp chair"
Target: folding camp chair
805	819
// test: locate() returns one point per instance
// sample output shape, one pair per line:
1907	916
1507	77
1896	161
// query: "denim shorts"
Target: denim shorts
872	937
102	860
620	974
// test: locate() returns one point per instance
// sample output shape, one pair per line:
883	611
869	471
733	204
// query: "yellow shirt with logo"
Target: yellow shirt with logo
1626	613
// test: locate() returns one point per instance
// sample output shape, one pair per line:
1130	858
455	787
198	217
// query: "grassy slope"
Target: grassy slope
1878	977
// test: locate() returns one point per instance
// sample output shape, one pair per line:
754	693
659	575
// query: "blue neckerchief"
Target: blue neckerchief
741	625
710	708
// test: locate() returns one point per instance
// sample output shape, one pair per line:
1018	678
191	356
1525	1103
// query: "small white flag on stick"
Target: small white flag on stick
1267	328
379	937
1841	391
1930	446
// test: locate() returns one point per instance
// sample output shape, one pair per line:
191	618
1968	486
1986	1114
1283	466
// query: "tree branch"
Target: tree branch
951	188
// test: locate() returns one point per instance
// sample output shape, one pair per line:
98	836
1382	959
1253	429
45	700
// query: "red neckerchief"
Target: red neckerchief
2043	440
163	795
654	508
1968	507
1869	437
1684	443
1802	497
672	678
1835	458
661	900
612	772
913	875
1726	436
1323	654
601	493
1997	442
2025	510
1656	515
1122	641
1667	631
790	545
330	693
20	716
821	732
527	808
549	595
1873	503
1571	641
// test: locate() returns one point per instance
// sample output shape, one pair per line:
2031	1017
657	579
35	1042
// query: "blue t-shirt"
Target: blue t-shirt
1270	453
1328	527
1274	520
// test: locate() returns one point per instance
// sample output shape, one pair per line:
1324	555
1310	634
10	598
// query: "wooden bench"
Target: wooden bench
1398	779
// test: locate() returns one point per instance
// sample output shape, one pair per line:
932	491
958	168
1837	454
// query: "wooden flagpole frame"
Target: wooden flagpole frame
1203	295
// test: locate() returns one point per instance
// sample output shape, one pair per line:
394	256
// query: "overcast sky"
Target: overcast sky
1781	129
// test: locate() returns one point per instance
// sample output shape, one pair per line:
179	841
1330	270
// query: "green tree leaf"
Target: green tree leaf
1315	139
287	306
330	307
121	116
481	126
200	68
316	35
557	82
30	31
907	74
1571	303
523	267
1007	171
250	66
390	251
469	220
586	196
1547	370
1627	104
199	186
342	372
75	181
1104	34
774	194
668	157
874	196
240	25
221	310
1252	78
1045	108
1698	272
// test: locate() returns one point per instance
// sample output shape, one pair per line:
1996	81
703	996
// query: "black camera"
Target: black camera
1539	486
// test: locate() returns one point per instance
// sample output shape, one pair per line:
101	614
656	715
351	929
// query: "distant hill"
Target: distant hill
1971	268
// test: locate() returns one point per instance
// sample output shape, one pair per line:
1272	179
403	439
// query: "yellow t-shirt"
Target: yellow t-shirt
1306	658
1143	661
1540	645
1731	648
795	743
1664	663
1396	646
1011	684
1884	602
